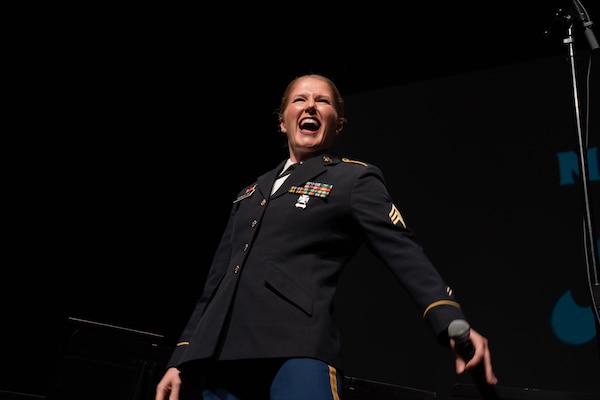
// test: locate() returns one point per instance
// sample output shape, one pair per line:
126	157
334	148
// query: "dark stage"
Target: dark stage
130	123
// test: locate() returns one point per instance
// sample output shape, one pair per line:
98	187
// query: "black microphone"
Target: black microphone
582	16
460	331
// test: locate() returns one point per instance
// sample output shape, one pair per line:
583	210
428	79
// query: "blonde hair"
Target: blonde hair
338	100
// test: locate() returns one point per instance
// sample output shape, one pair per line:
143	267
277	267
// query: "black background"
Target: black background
129	123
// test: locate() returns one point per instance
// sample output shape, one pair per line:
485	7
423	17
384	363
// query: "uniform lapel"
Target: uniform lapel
266	181
308	171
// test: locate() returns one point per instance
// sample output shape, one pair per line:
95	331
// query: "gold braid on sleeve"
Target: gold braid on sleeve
440	303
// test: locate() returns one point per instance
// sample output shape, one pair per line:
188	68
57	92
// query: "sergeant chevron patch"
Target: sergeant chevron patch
396	217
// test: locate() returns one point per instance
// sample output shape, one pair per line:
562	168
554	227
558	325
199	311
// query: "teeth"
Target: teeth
309	123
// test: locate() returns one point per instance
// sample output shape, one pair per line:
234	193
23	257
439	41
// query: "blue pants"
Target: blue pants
292	379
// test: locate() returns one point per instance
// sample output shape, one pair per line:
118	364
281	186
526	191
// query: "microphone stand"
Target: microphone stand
590	237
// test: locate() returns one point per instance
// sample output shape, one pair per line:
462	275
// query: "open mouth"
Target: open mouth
309	124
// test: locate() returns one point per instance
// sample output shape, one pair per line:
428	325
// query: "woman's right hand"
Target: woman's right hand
169	386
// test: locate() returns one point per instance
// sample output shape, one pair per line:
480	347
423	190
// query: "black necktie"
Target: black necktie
282	177
288	170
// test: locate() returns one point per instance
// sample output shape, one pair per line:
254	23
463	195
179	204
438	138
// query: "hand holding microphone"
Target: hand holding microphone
460	331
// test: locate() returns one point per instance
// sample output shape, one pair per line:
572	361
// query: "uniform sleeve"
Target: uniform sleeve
214	277
389	239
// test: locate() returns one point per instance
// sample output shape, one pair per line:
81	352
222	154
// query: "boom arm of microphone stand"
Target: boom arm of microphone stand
579	13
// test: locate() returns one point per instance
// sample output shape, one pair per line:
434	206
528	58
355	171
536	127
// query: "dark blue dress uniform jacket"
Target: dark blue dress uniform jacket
274	275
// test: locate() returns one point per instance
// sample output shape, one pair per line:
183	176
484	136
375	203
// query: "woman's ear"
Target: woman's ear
340	126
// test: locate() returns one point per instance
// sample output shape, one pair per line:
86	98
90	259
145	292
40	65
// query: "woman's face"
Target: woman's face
310	119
